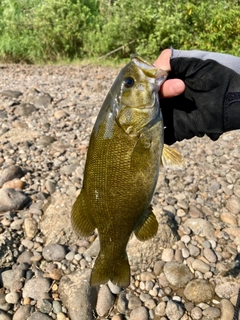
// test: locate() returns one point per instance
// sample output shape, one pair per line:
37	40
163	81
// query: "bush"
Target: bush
42	30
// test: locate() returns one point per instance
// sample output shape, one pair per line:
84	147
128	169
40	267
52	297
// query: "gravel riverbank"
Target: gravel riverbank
190	270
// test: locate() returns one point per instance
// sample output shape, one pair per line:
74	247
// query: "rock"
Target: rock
134	302
53	252
198	291
11	93
105	300
160	309
14	184
177	274
10	199
12	297
22	313
43	101
58	215
77	295
210	255
200	265
227	287
211	312
30	227
25	109
167	255
200	227
25	257
10	276
122	302
233	205
36	288
139	313
39	316
228	218
10	173
227	309
5	315
174	311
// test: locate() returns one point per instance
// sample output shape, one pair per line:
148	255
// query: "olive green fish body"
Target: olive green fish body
120	175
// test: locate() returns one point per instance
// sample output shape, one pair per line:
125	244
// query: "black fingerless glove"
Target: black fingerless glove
210	103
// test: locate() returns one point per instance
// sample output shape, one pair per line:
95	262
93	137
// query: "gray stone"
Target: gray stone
5	315
11	199
54	252
177	274
122	302
198	291
105	300
139	313
39	316
36	288
227	309
10	276
12	297
10	173
22	313
200	265
11	93
200	227
174	311
77	295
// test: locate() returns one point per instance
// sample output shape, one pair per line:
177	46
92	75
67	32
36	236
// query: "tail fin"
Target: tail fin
118	271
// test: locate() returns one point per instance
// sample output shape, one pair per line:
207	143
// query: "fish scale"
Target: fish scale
121	170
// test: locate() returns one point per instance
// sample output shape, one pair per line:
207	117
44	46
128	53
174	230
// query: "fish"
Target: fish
125	152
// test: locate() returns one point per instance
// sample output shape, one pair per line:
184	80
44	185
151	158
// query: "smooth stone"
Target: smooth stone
12	93
25	257
139	313
114	288
43	101
193	250
36	288
200	227
210	255
160	309
11	199
200	265
10	276
211	312
196	313
54	252
105	300
10	173
228	218
174	311
39	316
22	313
233	204
226	288
56	306
177	274
14	184
198	290
227	309
5	315
77	295
25	109
122	302
134	302
167	255
30	227
12	297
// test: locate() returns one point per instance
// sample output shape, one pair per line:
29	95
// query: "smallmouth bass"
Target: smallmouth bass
121	170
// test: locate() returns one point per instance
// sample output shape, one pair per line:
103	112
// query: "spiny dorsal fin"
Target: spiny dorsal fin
171	158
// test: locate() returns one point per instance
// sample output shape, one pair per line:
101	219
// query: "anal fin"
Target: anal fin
147	229
81	220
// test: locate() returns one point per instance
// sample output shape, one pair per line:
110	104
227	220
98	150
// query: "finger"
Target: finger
171	88
163	61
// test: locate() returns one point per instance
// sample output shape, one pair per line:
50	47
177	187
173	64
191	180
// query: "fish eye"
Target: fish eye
129	82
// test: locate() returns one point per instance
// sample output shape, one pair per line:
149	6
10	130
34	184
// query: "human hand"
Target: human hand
203	94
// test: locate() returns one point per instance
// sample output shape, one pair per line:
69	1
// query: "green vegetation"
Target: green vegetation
55	30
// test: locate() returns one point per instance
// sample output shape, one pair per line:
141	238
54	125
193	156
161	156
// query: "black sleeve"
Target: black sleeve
210	103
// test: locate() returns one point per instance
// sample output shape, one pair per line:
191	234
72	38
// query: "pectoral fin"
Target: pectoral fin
171	158
81	220
147	229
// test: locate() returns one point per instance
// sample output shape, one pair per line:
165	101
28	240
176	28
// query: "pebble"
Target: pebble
177	274
198	291
42	165
139	313
174	311
105	300
54	252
